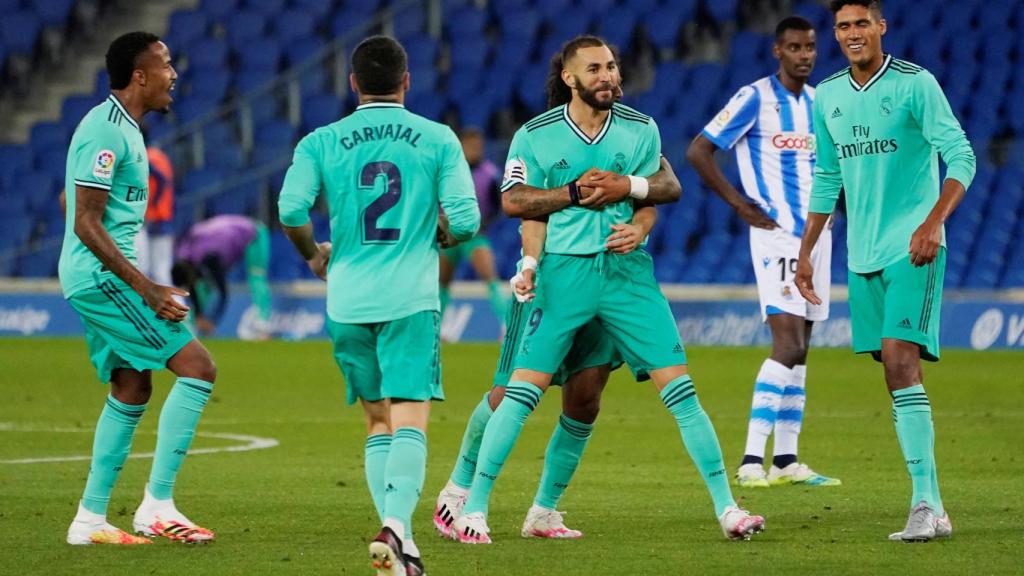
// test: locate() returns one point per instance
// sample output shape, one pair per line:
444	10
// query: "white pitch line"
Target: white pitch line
251	443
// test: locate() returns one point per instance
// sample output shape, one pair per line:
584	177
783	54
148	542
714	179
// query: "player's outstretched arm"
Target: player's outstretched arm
701	155
626	238
90	205
804	270
599	188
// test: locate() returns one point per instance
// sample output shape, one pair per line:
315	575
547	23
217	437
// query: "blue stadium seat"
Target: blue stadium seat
208	53
293	25
226	157
320	110
53	13
38	188
277	132
41	264
470	53
200	180
18	31
520	24
46	135
209	84
468	22
184	28
318	9
218	10
303	49
259	55
409	22
616	27
269	8
722	10
244	26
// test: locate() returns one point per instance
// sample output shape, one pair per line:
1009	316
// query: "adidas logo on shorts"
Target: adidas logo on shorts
905	323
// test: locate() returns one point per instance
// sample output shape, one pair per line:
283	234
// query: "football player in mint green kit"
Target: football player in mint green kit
880	123
579	279
132	325
384	171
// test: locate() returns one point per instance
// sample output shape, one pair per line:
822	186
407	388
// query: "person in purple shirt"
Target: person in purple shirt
205	255
486	176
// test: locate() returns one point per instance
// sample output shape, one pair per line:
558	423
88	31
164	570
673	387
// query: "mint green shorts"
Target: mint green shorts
459	252
619	292
395	359
902	302
122	332
590	348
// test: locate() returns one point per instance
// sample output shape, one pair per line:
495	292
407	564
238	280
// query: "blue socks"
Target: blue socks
110	447
177	427
698	434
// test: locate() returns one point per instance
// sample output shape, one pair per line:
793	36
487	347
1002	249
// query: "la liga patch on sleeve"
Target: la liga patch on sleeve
103	167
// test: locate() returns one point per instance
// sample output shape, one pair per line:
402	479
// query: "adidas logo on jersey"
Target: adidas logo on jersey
905	323
678	349
836	113
561	165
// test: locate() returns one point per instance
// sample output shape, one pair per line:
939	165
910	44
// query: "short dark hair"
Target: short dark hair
123	56
791	23
557	91
873	5
379	63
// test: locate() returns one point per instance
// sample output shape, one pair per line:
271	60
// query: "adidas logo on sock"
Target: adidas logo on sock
561	165
905	323
837	113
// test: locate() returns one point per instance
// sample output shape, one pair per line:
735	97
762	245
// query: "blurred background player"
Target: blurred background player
155	242
880	123
582	280
769	124
478	249
207	253
107	180
386	173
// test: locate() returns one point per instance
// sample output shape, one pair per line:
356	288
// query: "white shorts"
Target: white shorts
774	254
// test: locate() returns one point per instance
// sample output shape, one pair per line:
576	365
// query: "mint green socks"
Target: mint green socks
465	465
913	415
403	476
177	427
521	398
698	434
375	462
110	447
565	449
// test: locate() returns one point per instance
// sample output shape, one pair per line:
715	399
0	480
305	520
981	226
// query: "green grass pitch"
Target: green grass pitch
302	507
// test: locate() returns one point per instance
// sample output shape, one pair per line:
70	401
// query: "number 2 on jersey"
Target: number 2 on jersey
372	234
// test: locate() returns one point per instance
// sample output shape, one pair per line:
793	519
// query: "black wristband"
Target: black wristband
574	194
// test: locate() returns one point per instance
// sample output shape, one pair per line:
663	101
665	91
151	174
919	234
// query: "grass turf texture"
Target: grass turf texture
303	507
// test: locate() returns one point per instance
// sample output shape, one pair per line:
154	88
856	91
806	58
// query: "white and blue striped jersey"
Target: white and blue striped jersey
773	132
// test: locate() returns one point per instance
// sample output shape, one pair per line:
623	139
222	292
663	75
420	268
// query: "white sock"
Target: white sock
791	412
764	408
86	517
409	547
453	488
397	526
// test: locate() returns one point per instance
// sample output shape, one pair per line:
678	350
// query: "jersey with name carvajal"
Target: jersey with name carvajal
551	151
878	141
773	133
107	153
384	171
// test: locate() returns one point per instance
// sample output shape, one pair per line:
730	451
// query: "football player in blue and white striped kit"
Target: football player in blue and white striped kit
769	124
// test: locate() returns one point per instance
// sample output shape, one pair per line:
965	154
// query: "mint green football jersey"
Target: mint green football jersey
106	153
880	142
384	172
550	151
